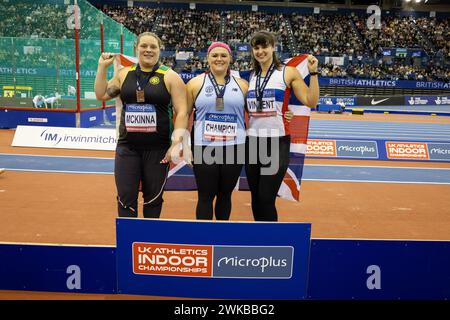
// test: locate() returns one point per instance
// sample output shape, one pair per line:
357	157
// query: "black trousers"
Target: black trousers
133	166
216	181
264	183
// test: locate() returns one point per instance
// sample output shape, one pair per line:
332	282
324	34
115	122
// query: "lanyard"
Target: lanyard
219	91
259	90
142	78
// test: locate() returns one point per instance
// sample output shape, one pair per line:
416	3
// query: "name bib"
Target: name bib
140	118
269	108
220	127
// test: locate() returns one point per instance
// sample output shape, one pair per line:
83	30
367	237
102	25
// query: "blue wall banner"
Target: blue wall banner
49	72
381	269
14	118
242	47
88	118
238	260
91	118
111	113
405	84
323	81
61	268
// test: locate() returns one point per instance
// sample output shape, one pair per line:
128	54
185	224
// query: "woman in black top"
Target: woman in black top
147	139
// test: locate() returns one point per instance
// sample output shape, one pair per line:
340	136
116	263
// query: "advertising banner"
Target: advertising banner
65	138
427	100
405	84
199	259
347	101
342	149
380	101
379	150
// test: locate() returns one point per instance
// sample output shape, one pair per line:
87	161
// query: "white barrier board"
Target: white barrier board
65	138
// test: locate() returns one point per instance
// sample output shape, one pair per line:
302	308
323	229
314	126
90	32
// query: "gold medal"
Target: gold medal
219	104
140	97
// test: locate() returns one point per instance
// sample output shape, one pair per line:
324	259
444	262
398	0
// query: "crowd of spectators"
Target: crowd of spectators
395	32
394	70
438	33
169	61
331	35
194	30
178	29
188	29
195	65
38	20
137	19
198	65
33	20
49	53
242	62
241	25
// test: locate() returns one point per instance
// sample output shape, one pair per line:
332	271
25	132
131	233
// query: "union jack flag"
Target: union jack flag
299	126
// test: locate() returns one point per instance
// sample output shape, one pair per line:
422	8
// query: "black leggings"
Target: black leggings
264	187
215	181
133	166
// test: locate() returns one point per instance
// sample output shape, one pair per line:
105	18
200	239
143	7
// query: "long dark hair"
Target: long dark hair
264	38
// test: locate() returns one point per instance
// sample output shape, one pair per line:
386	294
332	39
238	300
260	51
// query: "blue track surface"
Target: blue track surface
311	172
373	130
319	129
442	109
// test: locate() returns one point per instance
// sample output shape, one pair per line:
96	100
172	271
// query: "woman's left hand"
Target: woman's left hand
177	152
312	63
288	115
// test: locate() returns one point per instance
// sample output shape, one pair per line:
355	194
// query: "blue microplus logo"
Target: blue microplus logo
253	262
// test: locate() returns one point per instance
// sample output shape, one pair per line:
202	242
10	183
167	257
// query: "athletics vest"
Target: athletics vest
146	124
270	121
219	128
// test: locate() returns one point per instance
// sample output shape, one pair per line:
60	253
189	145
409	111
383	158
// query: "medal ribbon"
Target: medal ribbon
219	92
142	78
259	90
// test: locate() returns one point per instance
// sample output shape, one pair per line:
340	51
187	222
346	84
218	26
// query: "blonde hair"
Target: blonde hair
151	34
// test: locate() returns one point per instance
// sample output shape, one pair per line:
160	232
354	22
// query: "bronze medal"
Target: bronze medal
140	97
219	104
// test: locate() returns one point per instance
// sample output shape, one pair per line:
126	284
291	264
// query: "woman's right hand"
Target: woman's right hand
106	59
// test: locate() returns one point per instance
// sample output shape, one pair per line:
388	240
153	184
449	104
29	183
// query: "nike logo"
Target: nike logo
374	102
